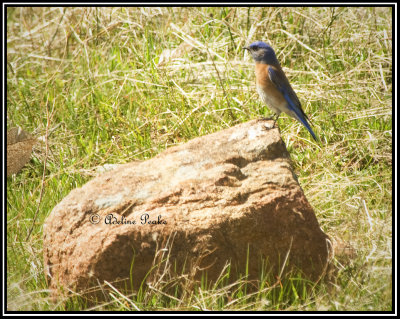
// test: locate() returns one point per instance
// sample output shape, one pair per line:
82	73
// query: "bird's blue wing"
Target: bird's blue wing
279	79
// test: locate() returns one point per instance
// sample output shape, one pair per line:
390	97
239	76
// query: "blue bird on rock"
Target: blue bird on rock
273	86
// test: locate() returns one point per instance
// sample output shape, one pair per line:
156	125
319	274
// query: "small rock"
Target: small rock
19	149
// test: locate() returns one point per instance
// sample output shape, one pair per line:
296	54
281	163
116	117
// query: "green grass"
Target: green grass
97	72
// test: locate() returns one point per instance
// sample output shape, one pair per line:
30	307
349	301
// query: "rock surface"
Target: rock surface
227	196
19	149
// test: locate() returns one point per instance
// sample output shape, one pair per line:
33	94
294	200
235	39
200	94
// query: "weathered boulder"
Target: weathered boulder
228	196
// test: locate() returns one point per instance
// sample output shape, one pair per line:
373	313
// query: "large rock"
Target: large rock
228	196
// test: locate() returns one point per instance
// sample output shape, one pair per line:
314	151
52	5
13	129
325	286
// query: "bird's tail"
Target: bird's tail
303	120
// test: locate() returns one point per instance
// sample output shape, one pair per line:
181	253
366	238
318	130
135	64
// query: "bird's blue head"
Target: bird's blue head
262	53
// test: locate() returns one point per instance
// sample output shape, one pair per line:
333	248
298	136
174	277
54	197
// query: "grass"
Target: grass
112	85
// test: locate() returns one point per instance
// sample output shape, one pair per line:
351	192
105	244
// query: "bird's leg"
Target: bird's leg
273	117
277	117
263	118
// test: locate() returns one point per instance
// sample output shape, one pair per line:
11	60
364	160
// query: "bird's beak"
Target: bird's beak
246	48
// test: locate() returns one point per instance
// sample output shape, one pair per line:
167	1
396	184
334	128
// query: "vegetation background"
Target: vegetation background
110	85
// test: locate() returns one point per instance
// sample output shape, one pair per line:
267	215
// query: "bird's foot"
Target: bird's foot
274	118
263	118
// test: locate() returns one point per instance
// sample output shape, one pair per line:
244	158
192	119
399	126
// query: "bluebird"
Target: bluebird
273	86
